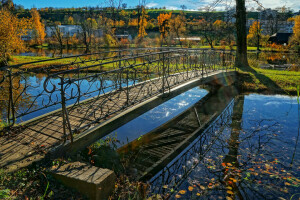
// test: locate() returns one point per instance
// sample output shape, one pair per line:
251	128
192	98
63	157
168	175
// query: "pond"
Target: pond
33	100
255	154
275	60
256	157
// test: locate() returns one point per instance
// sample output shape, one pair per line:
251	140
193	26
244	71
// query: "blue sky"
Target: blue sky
170	4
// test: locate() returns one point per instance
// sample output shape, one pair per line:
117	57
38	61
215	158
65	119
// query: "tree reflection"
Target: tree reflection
250	160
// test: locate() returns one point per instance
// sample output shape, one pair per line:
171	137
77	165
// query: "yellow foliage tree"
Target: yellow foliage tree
11	30
133	22
70	20
255	34
295	39
38	27
143	24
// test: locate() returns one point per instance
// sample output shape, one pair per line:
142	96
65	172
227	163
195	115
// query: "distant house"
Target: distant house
65	29
124	36
70	30
188	39
280	38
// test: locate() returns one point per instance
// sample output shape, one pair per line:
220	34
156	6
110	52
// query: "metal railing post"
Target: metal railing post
127	88
203	64
11	106
66	122
163	75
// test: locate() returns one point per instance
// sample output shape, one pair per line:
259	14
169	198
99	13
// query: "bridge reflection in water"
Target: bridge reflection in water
163	154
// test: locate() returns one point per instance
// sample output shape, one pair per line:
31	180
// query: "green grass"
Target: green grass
270	81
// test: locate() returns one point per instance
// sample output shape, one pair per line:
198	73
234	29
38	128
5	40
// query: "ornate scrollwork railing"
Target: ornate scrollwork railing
86	90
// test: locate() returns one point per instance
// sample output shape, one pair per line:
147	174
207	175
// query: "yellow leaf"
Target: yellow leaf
198	194
182	191
229	188
202	187
165	186
229	198
190	188
234	180
287	183
229	192
177	196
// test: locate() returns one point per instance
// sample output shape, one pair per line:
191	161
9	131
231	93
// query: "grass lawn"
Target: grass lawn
270	81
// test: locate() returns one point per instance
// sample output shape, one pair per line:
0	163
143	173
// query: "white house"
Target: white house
65	29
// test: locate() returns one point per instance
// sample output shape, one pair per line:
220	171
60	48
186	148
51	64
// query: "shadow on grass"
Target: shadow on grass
264	80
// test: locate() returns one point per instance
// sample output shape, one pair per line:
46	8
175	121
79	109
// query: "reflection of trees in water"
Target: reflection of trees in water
19	99
251	168
243	163
277	58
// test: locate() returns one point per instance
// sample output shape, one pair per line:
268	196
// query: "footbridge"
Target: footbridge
65	104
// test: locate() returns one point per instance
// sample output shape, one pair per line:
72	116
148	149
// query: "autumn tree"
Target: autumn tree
11	30
219	27
88	26
57	34
207	29
70	20
38	27
295	39
163	21
178	26
255	34
143	24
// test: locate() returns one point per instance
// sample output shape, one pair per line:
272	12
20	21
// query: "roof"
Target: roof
280	37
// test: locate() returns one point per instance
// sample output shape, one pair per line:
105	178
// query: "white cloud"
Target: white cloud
151	5
172	8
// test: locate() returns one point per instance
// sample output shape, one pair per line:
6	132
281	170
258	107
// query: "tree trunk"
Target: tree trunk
241	51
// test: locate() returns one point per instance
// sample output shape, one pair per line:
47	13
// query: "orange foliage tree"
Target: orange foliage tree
164	26
38	27
178	26
11	30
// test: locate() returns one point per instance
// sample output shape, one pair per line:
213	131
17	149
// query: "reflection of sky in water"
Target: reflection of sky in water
273	117
159	115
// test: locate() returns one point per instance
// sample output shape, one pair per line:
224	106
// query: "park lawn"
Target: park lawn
44	62
269	80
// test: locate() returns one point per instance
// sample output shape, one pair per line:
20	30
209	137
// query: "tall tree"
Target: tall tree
143	24
88	26
241	32
38	27
178	26
11	30
295	39
254	35
164	25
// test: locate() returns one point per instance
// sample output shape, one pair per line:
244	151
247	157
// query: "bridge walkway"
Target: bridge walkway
34	139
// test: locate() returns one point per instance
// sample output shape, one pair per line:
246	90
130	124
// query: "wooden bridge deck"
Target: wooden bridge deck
32	141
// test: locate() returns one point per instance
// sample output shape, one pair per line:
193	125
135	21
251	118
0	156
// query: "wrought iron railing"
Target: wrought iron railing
85	90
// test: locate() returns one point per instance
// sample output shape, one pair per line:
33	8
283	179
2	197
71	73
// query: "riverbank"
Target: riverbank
268	81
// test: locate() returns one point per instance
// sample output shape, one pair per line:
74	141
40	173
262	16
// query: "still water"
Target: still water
254	154
255	157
